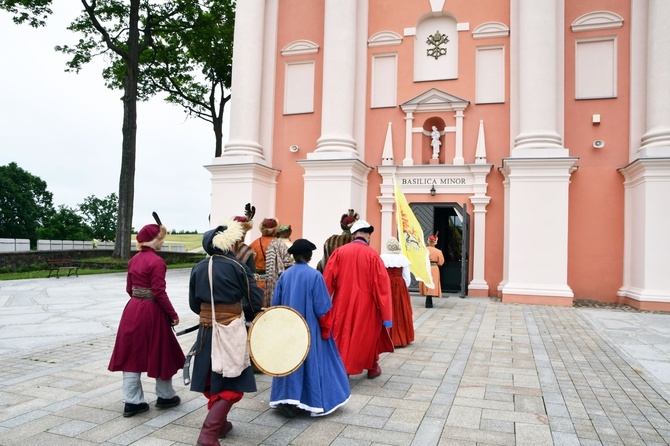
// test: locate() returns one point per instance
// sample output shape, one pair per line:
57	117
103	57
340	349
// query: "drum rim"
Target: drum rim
300	363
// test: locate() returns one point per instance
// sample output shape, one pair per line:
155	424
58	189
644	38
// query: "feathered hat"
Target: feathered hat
246	220
150	235
348	219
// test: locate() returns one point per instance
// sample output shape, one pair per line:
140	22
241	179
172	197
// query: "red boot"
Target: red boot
375	371
224	429
214	423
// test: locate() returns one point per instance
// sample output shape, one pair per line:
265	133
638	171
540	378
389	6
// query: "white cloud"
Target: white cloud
66	129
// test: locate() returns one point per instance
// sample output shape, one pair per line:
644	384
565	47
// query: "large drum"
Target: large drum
278	341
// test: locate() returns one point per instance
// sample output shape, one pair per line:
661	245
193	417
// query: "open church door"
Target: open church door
451	223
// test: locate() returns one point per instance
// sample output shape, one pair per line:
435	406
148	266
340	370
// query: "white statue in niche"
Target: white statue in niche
435	142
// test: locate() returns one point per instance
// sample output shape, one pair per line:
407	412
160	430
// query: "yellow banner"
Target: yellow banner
410	236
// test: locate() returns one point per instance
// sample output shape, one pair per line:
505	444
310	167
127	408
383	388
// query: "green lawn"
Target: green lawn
192	241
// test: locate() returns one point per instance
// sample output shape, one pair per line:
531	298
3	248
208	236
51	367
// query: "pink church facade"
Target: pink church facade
549	175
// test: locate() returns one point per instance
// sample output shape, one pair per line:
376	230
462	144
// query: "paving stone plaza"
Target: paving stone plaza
480	372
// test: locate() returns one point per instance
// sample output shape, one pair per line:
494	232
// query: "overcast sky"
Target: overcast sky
66	129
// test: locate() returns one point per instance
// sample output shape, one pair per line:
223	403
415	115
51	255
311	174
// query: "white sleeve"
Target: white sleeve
406	275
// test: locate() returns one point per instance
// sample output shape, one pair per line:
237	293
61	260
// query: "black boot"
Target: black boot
215	420
130	410
166	403
429	301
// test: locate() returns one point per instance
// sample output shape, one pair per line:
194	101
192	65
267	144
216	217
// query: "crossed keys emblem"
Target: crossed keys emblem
436	40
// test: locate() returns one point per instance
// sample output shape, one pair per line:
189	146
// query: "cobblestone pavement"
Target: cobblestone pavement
480	372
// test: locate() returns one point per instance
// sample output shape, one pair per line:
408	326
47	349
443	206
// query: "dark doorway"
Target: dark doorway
450	222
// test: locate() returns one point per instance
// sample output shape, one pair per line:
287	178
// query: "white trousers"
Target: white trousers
132	388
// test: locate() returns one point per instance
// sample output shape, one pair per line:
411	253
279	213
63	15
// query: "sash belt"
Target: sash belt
225	313
434	264
142	293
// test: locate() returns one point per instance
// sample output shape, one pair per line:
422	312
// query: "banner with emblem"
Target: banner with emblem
410	236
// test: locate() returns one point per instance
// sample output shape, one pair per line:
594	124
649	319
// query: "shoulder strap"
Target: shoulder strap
244	271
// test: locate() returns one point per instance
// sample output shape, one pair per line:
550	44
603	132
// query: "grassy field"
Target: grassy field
192	241
108	265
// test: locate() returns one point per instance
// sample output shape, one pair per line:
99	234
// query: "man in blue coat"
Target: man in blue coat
320	385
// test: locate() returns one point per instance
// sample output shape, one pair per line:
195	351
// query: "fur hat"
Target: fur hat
150	235
393	245
269	226
284	231
223	237
302	245
362	226
348	219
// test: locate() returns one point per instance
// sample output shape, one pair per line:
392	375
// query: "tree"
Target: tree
190	59
100	215
152	47
64	224
25	203
122	32
205	44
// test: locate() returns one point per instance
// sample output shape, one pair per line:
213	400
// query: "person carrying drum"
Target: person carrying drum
320	385
362	311
234	289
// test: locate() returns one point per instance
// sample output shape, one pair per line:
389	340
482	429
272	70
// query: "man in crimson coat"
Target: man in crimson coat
362	307
145	341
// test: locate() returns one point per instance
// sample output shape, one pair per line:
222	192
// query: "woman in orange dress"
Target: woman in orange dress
436	260
397	266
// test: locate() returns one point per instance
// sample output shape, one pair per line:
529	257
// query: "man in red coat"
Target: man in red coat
362	307
145	341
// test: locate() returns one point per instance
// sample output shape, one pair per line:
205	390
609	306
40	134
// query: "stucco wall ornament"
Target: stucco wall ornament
437	40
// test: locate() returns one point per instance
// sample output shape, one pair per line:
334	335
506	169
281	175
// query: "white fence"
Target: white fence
23	245
14	245
63	245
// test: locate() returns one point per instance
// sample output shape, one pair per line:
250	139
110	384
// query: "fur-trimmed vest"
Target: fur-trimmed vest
332	243
246	255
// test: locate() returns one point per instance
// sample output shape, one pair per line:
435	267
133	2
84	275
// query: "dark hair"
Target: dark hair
303	256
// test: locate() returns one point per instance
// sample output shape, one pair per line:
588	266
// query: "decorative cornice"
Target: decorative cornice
597	20
434	100
384	38
490	30
300	47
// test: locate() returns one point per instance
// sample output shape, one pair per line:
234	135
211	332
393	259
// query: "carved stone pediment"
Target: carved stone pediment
434	100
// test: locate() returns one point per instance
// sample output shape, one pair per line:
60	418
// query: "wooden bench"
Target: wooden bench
59	265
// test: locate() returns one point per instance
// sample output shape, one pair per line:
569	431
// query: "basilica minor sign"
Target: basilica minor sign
433	181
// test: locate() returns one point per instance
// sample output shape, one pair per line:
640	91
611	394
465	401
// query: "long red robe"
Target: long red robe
145	341
357	279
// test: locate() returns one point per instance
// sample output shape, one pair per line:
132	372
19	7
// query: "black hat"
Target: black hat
302	245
